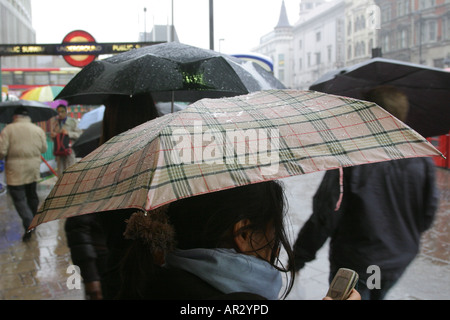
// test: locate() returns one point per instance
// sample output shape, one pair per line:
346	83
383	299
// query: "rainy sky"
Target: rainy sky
240	23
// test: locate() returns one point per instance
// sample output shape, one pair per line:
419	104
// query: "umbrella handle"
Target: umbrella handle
48	165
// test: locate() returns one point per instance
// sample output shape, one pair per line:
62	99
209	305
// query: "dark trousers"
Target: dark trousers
26	202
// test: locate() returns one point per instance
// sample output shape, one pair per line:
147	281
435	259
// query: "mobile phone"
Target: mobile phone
343	283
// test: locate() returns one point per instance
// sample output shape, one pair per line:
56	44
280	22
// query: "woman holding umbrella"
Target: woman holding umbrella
220	245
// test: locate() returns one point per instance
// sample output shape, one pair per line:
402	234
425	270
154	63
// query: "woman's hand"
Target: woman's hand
354	295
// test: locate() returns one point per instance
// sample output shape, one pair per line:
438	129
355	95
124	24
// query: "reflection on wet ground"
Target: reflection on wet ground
37	270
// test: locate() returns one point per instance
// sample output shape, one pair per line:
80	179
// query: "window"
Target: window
400	9
403	39
406	6
432	31
385	43
318	36
329	50
281	59
309	59
317	58
281	75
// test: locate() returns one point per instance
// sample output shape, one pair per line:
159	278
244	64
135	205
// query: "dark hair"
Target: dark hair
207	221
61	106
391	99
124	112
21	111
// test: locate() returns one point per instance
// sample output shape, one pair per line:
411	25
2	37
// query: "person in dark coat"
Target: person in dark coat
96	240
87	243
384	210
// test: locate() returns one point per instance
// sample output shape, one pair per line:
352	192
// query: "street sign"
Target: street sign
75	37
85	48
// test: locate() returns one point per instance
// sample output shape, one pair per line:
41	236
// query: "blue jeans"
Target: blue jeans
26	202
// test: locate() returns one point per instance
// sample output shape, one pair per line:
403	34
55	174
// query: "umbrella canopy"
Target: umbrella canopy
215	144
55	103
91	117
37	111
43	94
170	72
427	89
88	140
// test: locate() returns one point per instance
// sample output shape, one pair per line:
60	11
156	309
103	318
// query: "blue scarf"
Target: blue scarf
229	271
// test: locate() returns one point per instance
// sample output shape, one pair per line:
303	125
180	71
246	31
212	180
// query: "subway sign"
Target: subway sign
78	48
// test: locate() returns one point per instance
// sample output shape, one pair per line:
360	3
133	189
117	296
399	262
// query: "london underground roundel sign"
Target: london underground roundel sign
78	36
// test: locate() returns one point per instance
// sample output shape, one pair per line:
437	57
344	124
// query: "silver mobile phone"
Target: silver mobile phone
343	283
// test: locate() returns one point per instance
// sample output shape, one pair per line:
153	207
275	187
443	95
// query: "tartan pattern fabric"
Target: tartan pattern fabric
216	144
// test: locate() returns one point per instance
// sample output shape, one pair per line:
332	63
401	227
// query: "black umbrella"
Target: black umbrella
38	111
170	72
427	88
88	140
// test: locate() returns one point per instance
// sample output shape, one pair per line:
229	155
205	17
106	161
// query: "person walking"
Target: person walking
378	222
96	240
21	145
69	126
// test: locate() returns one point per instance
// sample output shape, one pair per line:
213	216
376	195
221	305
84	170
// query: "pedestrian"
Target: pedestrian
219	245
378	221
87	244
21	145
69	126
96	240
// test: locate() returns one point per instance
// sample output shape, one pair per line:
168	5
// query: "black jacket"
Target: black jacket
385	208
87	243
177	284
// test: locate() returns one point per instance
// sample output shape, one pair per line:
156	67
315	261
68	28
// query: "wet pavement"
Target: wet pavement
37	270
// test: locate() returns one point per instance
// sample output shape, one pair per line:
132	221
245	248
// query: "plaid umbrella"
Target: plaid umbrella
215	144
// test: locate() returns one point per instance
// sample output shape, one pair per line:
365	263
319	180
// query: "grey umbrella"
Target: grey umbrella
170	72
427	88
38	111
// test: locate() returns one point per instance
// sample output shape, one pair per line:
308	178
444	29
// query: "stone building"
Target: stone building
16	27
337	33
416	31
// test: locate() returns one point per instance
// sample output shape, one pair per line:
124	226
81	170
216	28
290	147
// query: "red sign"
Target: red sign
78	36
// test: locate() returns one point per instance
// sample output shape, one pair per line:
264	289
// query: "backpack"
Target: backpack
61	145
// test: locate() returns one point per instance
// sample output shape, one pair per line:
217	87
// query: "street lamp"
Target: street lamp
145	24
172	31
211	25
220	44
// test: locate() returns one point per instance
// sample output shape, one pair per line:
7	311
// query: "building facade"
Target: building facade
16	27
333	34
317	43
278	46
417	31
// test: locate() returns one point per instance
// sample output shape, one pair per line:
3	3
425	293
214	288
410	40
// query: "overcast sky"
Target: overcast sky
241	23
